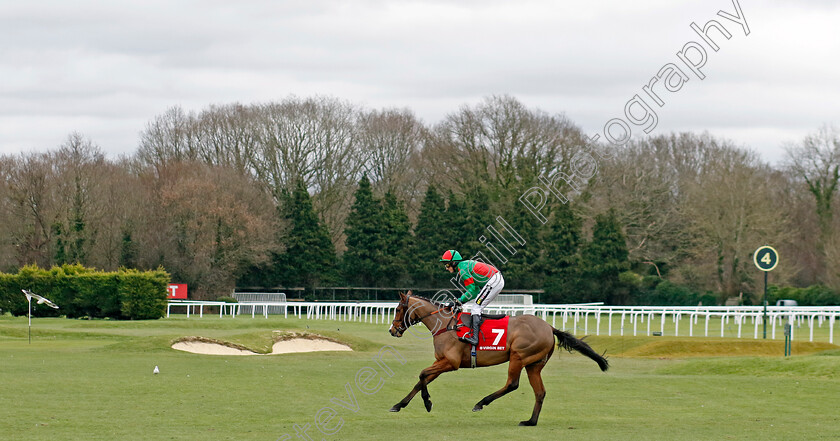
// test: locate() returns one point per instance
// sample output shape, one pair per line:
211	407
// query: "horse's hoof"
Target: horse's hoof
394	409
428	406
527	423
477	408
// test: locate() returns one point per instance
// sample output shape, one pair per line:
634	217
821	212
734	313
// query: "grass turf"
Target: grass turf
92	380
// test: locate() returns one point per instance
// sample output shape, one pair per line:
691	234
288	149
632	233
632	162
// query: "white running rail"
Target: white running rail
706	321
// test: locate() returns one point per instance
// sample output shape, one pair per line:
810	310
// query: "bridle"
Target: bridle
406	317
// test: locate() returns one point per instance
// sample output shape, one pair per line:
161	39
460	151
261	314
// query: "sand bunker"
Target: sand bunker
284	344
201	347
307	345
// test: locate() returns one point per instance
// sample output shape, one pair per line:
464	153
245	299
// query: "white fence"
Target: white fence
193	306
343	311
514	299
735	321
251	302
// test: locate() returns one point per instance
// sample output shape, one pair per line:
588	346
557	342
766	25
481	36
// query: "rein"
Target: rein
446	329
420	319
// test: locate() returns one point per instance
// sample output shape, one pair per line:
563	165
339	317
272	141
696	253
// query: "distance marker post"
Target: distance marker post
765	258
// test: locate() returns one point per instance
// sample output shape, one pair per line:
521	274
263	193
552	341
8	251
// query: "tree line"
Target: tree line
316	191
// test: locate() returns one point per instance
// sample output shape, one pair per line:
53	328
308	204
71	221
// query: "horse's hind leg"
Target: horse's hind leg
426	377
535	378
514	371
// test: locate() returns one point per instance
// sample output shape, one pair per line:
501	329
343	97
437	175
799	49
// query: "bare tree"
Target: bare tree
502	143
732	211
390	141
225	136
33	203
169	137
7	218
311	141
815	162
205	224
832	259
117	211
642	184
697	204
79	163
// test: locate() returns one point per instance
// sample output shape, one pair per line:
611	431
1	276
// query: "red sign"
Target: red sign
177	291
491	337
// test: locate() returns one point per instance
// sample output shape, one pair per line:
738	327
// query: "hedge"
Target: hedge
814	295
656	291
85	292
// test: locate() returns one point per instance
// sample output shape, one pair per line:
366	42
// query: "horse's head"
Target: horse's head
402	318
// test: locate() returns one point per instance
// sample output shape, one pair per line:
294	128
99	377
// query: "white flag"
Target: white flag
41	300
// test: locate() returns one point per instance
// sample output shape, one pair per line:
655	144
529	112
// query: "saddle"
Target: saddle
492	334
465	318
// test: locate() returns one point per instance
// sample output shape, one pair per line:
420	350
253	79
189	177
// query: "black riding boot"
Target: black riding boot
476	323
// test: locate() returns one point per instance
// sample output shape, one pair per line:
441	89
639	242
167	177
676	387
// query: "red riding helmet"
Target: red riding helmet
451	256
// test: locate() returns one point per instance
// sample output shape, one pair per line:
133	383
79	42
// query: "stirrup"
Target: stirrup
475	326
468	339
472	339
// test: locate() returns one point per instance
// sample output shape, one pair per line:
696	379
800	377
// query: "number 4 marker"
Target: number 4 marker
766	258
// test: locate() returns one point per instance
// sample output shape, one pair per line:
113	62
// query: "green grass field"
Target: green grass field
92	380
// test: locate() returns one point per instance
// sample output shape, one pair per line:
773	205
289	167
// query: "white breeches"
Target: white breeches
486	295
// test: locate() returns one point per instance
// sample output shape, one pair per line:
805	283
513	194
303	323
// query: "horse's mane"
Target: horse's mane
426	299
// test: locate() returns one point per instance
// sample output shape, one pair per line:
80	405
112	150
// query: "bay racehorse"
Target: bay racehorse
530	343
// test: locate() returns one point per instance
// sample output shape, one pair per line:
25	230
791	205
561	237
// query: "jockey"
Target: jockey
482	282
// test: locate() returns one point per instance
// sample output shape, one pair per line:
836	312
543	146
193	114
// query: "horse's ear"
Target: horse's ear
403	296
409	293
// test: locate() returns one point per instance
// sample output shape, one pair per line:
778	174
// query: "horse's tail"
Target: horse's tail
569	342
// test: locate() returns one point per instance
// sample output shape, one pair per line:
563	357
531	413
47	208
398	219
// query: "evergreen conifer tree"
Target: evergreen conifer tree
431	239
128	250
522	269
604	258
309	259
478	218
456	227
364	231
395	270
60	257
560	259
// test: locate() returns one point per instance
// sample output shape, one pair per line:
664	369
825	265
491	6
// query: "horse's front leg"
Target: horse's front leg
426	376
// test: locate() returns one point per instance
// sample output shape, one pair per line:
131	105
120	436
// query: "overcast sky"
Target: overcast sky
106	68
